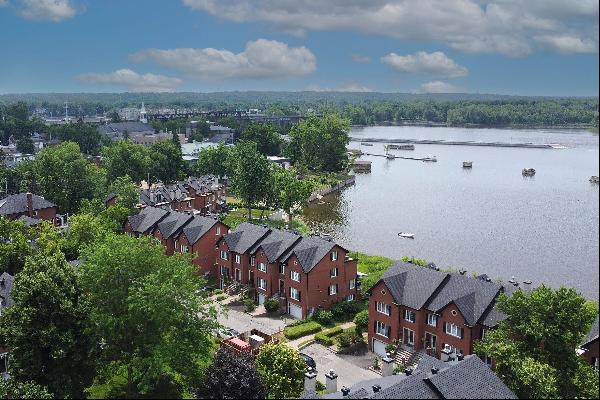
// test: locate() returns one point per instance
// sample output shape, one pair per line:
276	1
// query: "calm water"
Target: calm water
489	219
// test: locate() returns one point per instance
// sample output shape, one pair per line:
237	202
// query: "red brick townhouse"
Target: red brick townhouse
6	284
181	232
590	345
422	308
28	207
303	272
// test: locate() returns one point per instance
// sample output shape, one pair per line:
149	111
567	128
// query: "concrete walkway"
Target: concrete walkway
297	342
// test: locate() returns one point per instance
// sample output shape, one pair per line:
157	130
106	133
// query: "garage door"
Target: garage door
295	311
261	298
379	347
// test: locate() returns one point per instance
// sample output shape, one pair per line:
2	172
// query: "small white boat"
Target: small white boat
594	179
528	172
390	156
406	235
467	164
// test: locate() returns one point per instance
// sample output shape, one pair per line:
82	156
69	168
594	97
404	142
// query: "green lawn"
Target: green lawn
239	215
373	266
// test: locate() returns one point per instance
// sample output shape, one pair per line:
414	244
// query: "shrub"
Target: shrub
362	319
249	305
326	337
295	332
221	297
323	317
217	291
390	348
348	338
399	368
346	310
271	305
320	386
376	365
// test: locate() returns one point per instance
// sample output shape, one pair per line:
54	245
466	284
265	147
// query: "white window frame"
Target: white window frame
262	267
383	308
334	255
406	313
381	329
432	319
294	294
333	273
238	259
253	260
295	276
184	248
352	284
218	231
350	297
332	290
262	283
453	330
224	255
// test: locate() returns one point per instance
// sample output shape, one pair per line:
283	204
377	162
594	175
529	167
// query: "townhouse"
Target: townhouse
28	207
423	309
589	348
203	195
6	284
182	233
304	273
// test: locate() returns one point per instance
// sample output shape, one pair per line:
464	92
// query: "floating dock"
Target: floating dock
392	156
463	143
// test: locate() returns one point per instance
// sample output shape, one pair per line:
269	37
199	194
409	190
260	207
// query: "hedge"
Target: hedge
295	332
326	337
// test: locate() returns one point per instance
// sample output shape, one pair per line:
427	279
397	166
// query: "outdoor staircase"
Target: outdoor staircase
407	357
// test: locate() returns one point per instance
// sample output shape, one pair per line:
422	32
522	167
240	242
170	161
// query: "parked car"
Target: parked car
310	362
228	333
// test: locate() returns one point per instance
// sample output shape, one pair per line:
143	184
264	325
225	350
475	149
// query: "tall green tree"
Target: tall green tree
166	162
11	389
267	138
65	177
251	175
319	143
534	348
231	376
14	245
282	370
45	328
85	135
127	193
214	160
126	158
292	193
155	330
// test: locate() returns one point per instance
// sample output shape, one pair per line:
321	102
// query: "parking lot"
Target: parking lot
234	317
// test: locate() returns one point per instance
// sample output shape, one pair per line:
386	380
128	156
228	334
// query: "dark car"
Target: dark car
310	362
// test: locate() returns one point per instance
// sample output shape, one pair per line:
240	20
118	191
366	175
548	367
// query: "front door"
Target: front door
430	341
251	278
409	337
238	275
281	288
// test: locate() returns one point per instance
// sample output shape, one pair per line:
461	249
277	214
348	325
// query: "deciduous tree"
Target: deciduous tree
126	158
282	370
268	140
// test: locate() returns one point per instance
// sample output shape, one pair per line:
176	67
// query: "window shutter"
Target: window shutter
329	290
462	333
445	327
299	296
375	326
336	289
388	331
389	309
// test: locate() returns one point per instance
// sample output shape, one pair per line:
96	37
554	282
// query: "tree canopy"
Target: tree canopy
267	138
124	157
282	370
214	160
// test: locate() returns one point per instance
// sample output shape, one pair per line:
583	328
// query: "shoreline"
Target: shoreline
587	128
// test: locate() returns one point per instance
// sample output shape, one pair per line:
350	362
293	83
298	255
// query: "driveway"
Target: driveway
348	373
234	317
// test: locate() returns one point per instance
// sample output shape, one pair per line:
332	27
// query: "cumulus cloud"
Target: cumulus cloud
566	44
47	10
261	59
3	3
436	63
357	58
349	87
496	26
133	81
441	87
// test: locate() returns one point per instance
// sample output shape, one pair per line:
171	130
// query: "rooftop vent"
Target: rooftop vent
345	391
408	371
376	388
435	370
462	271
460	356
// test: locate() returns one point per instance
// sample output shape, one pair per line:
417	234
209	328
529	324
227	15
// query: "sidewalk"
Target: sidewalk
297	342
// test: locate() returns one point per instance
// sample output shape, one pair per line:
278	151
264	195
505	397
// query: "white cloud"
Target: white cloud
133	81
48	10
566	44
261	59
349	87
436	63
357	58
494	26
3	3
441	87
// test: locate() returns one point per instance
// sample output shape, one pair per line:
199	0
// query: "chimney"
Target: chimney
310	381
460	356
376	388
434	370
387	368
29	204
331	381
345	391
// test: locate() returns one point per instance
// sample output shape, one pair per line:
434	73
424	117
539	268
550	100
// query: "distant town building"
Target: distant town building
590	345
28	207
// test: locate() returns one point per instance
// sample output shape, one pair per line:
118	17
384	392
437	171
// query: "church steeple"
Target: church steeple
143	116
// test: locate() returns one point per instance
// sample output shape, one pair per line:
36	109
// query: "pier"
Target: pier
393	156
462	143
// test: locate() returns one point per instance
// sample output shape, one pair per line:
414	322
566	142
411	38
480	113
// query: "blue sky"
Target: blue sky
529	47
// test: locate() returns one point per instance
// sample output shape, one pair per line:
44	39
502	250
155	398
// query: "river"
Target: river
489	219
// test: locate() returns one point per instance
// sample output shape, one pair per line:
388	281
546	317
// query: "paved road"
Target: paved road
348	373
235	318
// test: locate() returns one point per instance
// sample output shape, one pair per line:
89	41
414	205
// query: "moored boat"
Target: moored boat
366	144
406	235
467	164
595	179
528	172
401	146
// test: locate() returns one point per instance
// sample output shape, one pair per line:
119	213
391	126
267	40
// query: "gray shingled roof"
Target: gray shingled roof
412	285
470	379
146	219
197	228
118	128
245	236
309	251
276	244
471	296
592	334
172	223
17	203
29	221
163	194
6	284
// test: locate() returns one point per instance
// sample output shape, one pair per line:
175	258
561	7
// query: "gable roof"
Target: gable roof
411	285
469	379
172	223
197	228
592	334
6	284
310	250
117	129
277	243
471	296
245	236
17	203
146	219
